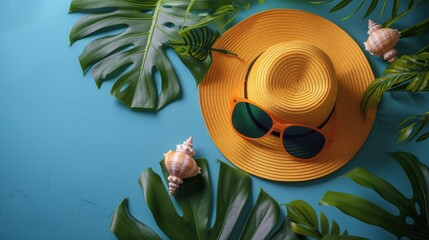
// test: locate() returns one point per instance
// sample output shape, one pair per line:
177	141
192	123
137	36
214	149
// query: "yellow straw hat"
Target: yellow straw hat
302	69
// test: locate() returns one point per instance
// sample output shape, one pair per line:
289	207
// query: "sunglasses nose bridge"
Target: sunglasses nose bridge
278	127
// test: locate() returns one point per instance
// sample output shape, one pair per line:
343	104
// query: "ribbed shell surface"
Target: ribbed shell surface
181	165
380	41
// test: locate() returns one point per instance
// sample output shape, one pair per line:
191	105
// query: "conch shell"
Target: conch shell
180	164
381	41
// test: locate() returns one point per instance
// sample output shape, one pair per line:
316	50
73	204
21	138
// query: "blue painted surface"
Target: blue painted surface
69	153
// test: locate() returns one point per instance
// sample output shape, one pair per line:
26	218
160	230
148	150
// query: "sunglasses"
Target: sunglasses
252	122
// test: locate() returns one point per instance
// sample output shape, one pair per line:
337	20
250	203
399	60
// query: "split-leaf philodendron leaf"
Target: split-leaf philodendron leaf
194	197
413	218
136	51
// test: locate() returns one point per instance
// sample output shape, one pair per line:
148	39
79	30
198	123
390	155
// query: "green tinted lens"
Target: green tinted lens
302	142
251	121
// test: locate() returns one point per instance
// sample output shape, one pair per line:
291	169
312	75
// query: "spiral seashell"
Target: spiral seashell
180	164
372	27
381	41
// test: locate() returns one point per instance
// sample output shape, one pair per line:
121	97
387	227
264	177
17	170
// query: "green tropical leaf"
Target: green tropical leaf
285	232
383	8
340	5
405	132
410	3
194	198
417	29
371	8
414	124
335	228
133	44
395	9
408	73
342	237
324	224
424	49
415	208
194	48
267	212
125	226
354	11
218	18
412	30
373	5
304	222
304	230
396	17
422	137
215	12
321	2
230	200
302	213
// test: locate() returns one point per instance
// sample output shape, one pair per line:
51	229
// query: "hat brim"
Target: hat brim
265	158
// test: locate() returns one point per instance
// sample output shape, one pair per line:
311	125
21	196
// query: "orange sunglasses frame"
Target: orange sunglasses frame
278	126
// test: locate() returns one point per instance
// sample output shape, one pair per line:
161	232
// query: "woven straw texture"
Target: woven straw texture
295	82
249	39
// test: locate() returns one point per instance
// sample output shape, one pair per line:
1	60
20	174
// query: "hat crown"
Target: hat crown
295	81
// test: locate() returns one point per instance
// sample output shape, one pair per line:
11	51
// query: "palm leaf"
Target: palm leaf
408	73
194	198
354	11
424	49
413	30
417	29
218	18
222	13
383	8
321	2
340	5
136	51
194	47
422	137
396	17
415	208
304	222
395	8
411	127
371	8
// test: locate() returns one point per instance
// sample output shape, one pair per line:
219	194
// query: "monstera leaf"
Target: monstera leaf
413	218
408	73
304	222
195	200
136	51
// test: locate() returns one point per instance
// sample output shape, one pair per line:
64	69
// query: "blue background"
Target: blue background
70	153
